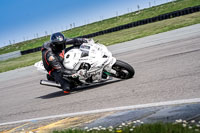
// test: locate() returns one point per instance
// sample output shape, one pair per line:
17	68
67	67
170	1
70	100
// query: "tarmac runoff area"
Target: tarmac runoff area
168	93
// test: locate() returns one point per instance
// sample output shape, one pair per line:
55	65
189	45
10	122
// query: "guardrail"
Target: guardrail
133	24
10	55
30	50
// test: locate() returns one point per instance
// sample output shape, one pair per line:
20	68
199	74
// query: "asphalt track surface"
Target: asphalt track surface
167	68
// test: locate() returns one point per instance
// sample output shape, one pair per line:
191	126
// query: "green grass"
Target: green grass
142	128
106	24
112	38
148	29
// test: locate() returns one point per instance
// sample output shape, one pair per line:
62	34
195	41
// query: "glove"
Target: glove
85	40
81	40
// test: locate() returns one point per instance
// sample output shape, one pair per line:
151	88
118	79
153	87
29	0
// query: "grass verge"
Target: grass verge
141	128
113	38
107	23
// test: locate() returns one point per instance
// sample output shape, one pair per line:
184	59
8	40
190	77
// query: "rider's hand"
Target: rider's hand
85	40
81	40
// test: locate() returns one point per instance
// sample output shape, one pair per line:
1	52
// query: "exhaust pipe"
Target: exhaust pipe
50	83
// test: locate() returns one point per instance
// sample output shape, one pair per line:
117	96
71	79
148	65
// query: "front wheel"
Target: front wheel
123	70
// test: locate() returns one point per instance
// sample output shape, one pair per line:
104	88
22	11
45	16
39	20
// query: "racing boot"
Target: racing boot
66	91
66	88
65	85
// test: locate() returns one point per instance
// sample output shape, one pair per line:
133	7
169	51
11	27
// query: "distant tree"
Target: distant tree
70	26
10	42
117	14
138	6
46	33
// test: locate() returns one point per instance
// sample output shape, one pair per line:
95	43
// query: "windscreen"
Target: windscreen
85	50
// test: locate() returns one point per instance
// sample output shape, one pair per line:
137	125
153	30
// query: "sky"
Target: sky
27	19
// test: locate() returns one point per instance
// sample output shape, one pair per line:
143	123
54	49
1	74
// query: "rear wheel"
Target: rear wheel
123	70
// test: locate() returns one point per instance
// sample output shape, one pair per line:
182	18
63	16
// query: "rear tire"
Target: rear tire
123	69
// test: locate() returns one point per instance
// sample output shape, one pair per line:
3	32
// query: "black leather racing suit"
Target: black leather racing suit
53	61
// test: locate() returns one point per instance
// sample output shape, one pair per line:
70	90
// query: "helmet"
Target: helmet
57	42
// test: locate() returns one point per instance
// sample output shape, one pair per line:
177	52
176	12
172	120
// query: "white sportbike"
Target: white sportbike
93	63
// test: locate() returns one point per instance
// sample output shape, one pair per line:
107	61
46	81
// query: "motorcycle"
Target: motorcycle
94	64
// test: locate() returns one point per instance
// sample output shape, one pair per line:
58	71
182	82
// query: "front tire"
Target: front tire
123	70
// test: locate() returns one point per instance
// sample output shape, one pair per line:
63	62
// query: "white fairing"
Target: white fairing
71	58
97	55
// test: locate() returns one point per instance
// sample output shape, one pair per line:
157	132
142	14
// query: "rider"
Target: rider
53	55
